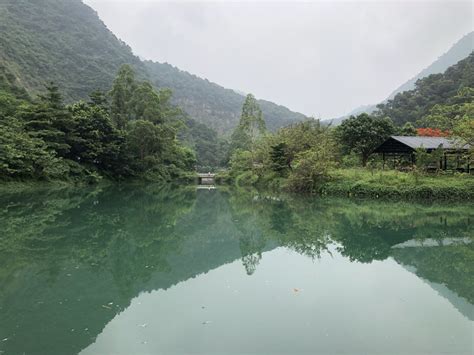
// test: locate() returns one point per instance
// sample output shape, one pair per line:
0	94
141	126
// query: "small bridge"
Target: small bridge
206	179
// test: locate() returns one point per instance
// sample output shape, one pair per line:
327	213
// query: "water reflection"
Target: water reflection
73	259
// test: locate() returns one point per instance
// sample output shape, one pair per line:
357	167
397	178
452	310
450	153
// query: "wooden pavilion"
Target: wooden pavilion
406	146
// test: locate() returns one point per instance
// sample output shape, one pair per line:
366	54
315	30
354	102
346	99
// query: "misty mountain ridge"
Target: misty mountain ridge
458	51
66	42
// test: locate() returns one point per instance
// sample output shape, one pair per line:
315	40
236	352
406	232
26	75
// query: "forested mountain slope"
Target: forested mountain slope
460	50
210	103
435	89
65	41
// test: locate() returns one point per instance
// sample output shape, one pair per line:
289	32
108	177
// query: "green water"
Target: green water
153	270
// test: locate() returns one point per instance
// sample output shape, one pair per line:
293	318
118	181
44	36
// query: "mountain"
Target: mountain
435	89
460	50
65	41
210	103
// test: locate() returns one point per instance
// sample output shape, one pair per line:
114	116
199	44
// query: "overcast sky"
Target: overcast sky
320	58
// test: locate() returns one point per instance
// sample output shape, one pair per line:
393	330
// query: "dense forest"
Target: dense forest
64	41
129	132
436	89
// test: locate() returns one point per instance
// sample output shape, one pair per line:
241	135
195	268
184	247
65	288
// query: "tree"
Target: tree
364	133
300	137
121	96
312	166
25	157
279	159
407	130
446	117
96	141
50	121
251	119
251	125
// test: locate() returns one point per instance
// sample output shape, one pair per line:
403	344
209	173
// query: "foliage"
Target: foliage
312	167
64	41
45	139
251	126
435	89
428	160
408	129
399	185
364	133
211	150
279	158
456	118
212	104
298	157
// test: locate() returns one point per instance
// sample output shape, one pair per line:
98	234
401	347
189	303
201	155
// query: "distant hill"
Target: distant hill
460	50
435	89
210	103
66	42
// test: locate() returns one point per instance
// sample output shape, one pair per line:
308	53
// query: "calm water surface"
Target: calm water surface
153	270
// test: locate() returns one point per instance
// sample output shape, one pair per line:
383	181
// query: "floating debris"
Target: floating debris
206	322
144	325
5	339
144	342
104	306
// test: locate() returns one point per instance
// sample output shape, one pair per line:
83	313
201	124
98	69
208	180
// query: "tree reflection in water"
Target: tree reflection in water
77	256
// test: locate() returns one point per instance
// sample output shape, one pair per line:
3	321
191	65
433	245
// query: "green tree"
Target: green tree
279	158
364	133
407	130
121	96
50	121
25	157
251	125
96	142
312	166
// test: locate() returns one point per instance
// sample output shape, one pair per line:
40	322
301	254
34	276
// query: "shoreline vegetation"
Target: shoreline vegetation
352	183
134	133
377	184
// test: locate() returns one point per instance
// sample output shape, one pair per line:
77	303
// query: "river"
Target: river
139	269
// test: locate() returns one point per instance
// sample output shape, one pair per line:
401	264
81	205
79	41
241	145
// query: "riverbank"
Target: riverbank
376	184
399	185
361	183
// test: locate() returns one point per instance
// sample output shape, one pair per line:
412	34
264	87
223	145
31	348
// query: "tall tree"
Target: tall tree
251	126
251	120
50	121
121	96
364	133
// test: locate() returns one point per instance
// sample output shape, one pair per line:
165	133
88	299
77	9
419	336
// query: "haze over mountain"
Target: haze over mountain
64	41
460	50
321	58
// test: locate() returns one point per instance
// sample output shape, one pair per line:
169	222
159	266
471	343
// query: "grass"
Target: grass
396	184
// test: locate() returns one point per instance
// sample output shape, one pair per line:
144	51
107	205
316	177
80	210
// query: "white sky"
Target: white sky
321	58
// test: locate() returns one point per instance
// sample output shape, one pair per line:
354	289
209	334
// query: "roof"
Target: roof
428	142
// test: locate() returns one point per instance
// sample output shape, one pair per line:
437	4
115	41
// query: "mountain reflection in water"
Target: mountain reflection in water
72	260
